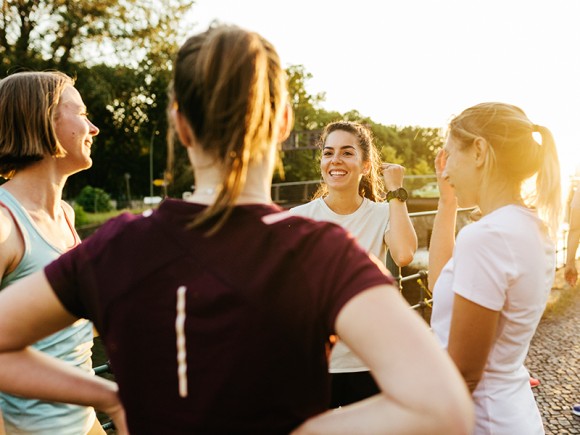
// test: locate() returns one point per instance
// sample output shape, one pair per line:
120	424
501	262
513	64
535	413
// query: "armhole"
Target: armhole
20	233
77	239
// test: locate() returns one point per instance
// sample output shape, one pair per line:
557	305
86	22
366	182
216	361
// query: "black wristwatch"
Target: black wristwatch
400	194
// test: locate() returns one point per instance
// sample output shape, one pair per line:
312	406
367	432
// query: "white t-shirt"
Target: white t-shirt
504	262
368	225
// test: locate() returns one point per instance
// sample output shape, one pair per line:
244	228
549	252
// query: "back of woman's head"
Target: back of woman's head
27	110
230	86
515	154
371	185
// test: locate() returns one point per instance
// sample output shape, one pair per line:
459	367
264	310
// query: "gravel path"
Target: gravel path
553	359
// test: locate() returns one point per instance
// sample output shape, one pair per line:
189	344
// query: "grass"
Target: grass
88	220
99	218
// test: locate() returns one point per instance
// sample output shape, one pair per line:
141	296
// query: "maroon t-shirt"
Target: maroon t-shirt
261	298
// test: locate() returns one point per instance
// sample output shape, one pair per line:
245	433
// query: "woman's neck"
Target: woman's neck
37	190
497	196
256	189
342	202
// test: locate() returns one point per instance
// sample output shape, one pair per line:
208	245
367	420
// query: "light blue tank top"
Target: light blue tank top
72	344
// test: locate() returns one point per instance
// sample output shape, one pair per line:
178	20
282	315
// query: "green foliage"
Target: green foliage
307	114
120	52
94	200
60	33
81	217
300	166
413	147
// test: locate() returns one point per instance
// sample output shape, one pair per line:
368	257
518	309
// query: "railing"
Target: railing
299	192
294	192
303	191
301	140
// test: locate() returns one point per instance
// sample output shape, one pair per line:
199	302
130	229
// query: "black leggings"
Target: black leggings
351	387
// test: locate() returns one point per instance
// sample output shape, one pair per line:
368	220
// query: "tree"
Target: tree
56	33
413	147
120	51
94	200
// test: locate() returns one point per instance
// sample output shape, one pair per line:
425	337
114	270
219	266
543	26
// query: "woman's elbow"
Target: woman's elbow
456	414
472	382
404	258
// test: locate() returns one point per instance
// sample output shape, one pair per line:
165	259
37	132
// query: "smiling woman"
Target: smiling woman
353	196
45	136
491	285
74	130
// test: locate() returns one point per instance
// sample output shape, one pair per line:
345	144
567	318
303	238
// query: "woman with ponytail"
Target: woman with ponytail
491	285
217	312
352	195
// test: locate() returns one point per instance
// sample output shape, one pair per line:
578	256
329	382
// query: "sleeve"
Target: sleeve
343	270
484	266
73	277
388	214
62	277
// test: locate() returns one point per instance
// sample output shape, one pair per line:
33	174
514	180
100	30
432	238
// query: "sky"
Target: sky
419	62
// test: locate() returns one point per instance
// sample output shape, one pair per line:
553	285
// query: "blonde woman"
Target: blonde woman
492	284
45	136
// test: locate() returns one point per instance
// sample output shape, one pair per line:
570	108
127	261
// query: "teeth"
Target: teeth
337	172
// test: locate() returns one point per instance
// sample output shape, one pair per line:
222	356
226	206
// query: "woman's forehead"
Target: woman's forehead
341	138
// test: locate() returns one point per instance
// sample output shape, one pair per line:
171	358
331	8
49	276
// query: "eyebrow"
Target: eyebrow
342	147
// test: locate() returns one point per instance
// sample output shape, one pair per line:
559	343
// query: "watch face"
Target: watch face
402	194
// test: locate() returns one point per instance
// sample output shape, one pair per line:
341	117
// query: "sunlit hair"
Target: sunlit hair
371	184
515	155
27	111
229	85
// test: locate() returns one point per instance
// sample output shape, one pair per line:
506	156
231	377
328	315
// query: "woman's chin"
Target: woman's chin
464	203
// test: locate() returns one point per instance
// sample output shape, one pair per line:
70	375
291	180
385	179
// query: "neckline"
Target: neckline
360	207
36	228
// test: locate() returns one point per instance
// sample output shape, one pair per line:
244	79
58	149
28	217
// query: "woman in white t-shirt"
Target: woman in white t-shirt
492	283
352	195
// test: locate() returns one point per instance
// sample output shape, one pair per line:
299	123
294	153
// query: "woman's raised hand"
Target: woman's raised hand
446	191
393	175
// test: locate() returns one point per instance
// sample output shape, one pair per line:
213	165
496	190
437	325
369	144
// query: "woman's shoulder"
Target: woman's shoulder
68	210
376	205
310	209
500	229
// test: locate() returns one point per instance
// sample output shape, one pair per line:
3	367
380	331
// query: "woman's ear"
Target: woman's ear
184	132
286	124
480	149
366	168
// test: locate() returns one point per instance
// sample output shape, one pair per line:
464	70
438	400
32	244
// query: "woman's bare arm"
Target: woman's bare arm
570	271
29	311
443	235
422	391
473	330
401	237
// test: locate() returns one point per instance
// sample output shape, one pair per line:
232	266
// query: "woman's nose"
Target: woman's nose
93	129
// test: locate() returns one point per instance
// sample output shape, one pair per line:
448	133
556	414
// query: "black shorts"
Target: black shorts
351	387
